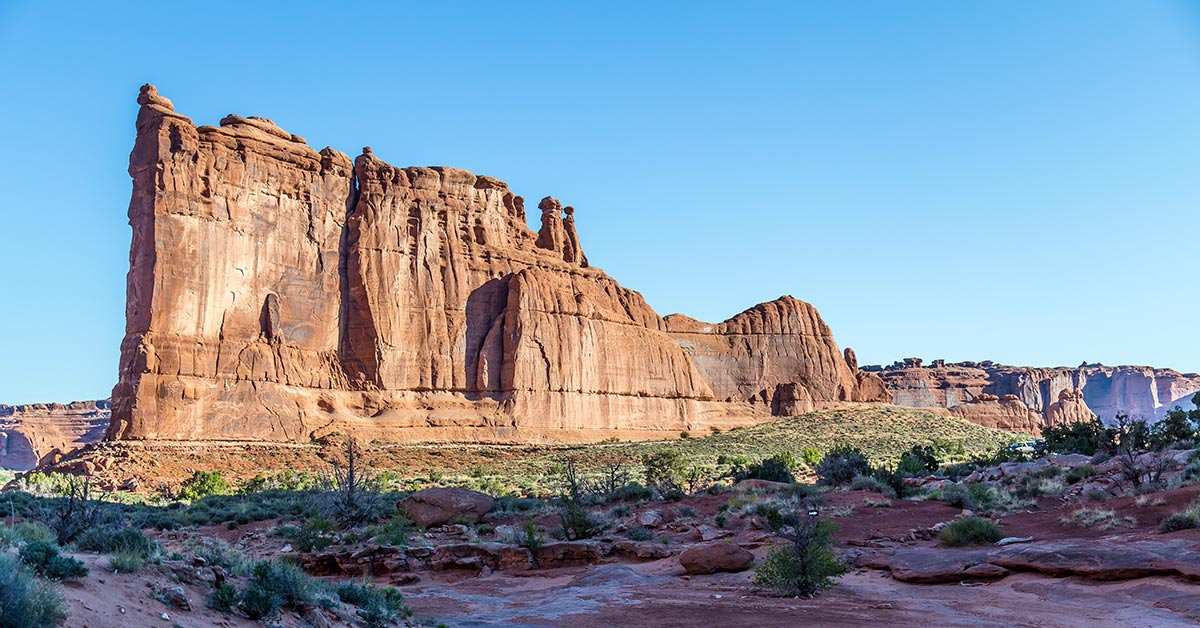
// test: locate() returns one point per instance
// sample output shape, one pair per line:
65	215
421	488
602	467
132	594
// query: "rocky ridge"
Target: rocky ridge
37	433
1025	398
281	293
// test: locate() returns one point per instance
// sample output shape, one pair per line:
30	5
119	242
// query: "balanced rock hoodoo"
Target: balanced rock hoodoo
281	293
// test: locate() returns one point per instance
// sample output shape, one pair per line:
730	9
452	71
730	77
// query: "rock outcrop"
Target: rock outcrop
33	433
1051	395
280	293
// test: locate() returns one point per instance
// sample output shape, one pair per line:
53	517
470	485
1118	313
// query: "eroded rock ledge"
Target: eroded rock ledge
280	293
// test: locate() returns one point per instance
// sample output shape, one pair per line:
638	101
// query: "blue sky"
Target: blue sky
1012	181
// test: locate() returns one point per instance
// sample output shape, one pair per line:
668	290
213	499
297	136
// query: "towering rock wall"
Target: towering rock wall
37	432
1047	395
276	292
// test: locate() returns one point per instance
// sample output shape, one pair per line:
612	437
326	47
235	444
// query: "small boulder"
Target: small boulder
715	557
438	506
650	519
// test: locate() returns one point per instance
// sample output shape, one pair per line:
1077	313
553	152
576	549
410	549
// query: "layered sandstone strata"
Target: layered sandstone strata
1053	395
277	292
35	433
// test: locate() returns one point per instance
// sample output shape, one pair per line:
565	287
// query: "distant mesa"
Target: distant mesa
1026	398
281	293
38	433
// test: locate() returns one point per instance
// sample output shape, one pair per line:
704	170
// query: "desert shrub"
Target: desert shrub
1079	437
354	497
395	532
969	531
259	602
377	606
777	468
25	601
577	522
224	596
24	532
969	497
531	537
1034	486
920	460
639	534
77	510
126	561
810	456
632	492
841	465
315	534
1097	517
274	585
869	483
806	563
124	539
1080	473
44	558
665	471
1182	520
202	484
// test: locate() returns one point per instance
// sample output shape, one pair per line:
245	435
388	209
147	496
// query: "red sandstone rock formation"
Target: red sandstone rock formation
1053	394
33	433
276	292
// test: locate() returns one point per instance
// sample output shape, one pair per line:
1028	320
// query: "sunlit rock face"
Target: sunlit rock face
36	432
282	293
1051	395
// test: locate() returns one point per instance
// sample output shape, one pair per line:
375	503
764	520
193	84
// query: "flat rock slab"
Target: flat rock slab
1096	560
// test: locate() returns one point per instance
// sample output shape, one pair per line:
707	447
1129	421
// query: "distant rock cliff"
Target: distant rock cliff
1025	398
37	432
277	292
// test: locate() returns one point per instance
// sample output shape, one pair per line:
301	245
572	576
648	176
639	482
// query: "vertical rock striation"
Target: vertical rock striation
277	292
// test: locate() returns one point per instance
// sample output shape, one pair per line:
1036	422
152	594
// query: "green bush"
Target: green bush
777	468
203	483
1079	437
315	534
395	532
377	606
109	539
639	534
869	483
1183	520
44	558
920	460
126	561
810	456
224	596
259	602
969	497
531	536
1080	473
969	531
841	465
633	492
803	566
25	601
24	532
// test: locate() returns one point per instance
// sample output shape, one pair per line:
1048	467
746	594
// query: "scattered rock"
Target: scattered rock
650	519
439	506
1010	540
715	557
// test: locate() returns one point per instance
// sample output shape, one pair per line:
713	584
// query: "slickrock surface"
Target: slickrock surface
39	432
993	394
277	292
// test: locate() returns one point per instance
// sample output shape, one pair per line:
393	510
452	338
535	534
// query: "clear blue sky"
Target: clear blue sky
1014	181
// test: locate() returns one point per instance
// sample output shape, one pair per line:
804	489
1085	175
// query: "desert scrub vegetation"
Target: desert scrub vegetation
969	531
26	601
805	563
1097	518
1183	520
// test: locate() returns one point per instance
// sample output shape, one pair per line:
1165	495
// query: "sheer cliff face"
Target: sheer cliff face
36	433
1048	395
276	292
